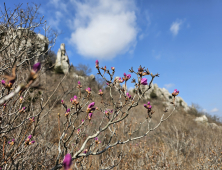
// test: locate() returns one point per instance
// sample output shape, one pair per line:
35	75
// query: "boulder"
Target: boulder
164	95
201	119
92	77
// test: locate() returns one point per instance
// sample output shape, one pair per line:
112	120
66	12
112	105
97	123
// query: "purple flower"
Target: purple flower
88	89
100	90
128	76
75	97
23	108
11	142
175	92
90	115
62	101
143	81
124	74
12	81
3	82
30	136
36	67
149	107
79	83
31	142
83	121
148	103
68	110
71	100
97	62
91	105
85	151
121	80
67	162
96	138
129	96
107	84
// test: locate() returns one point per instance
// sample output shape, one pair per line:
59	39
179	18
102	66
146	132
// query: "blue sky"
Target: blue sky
181	40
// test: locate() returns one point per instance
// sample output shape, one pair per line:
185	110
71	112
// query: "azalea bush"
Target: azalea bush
81	127
51	124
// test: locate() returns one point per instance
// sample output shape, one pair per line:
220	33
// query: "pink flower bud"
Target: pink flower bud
91	105
143	81
128	76
3	82
67	161
36	67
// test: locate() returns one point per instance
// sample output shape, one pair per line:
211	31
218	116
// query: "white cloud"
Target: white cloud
168	85
214	110
175	27
104	29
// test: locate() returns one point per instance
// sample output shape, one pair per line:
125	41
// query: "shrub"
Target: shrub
153	95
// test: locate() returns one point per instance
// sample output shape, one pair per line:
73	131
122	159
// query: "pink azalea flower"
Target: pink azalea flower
143	81
91	105
67	161
3	82
32	142
36	67
79	83
128	76
62	101
75	98
88	89
175	92
90	116
129	96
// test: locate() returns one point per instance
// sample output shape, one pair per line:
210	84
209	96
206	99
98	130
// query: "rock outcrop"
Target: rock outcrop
62	60
34	45
204	121
164	95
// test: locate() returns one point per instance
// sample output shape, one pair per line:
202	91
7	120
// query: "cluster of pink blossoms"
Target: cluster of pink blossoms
28	140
